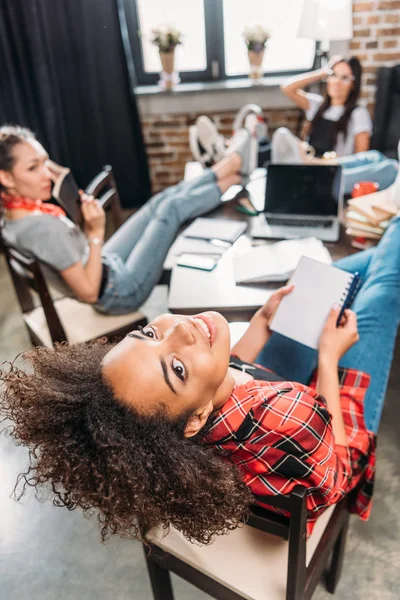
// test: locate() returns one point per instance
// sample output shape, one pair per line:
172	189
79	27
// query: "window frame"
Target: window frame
215	48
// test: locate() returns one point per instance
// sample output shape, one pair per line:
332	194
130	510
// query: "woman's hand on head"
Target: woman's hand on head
266	312
94	216
336	340
334	60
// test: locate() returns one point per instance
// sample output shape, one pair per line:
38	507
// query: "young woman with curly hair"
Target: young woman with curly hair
171	427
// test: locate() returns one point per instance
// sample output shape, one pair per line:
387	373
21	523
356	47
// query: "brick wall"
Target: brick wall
376	43
166	138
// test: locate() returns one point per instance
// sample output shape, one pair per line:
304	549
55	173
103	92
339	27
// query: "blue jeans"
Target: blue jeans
368	166
136	252
377	306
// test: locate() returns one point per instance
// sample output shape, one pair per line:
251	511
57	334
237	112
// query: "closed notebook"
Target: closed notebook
276	262
302	314
65	190
223	230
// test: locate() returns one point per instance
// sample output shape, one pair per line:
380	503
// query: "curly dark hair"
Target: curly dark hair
10	136
90	450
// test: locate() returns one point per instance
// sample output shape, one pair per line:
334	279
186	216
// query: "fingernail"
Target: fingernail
336	306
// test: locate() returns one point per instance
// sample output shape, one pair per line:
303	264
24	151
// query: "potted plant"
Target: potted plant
255	37
166	38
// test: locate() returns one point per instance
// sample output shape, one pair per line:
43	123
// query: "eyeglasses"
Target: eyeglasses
342	78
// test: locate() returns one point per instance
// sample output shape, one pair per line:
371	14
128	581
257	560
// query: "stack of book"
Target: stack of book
368	216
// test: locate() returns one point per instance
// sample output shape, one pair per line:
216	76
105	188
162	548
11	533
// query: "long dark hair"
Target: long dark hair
341	126
91	451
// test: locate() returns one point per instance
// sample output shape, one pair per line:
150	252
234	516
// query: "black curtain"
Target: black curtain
63	73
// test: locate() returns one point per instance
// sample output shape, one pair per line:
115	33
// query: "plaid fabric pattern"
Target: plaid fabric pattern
280	435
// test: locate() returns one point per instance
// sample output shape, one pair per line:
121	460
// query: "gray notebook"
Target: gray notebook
224	230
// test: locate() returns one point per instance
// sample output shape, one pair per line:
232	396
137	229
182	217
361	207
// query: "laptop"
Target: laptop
301	201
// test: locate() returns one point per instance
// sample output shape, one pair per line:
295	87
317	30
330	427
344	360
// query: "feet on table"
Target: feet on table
287	148
253	112
208	146
245	143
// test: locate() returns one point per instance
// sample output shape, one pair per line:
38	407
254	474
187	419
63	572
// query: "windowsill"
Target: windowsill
212	96
211	86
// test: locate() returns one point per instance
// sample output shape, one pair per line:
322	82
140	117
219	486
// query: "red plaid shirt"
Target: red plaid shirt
280	435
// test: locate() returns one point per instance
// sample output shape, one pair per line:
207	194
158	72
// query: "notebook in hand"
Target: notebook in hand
302	314
65	190
223	230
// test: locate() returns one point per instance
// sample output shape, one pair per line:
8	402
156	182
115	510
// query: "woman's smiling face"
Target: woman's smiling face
176	361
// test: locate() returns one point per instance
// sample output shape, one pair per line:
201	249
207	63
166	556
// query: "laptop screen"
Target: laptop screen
303	190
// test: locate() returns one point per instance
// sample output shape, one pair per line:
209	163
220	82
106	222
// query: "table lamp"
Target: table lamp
326	21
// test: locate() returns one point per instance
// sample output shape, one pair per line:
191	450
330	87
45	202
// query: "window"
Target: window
191	56
213	46
284	51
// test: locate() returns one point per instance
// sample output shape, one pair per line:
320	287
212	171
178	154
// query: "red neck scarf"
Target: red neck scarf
21	202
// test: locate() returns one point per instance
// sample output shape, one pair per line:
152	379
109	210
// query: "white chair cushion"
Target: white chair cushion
248	561
80	321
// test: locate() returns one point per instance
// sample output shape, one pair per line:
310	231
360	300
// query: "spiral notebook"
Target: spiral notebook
302	314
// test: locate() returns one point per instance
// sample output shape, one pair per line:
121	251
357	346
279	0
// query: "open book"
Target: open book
276	262
302	314
65	190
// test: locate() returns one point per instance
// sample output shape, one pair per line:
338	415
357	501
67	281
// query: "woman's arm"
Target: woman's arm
293	89
258	333
362	142
334	342
328	387
84	281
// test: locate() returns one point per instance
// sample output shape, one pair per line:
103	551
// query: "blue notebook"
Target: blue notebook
302	314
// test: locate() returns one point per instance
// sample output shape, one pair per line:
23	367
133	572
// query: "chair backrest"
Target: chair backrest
104	188
386	124
28	280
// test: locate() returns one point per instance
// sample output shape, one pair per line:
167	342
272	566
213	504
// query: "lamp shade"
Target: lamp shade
328	20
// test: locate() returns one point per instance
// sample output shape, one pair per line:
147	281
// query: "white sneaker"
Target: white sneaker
209	138
246	145
256	125
239	121
285	148
198	152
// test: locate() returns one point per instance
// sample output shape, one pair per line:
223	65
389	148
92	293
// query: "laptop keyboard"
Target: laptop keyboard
297	223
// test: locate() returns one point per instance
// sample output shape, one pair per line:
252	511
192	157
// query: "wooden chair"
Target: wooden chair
269	558
67	319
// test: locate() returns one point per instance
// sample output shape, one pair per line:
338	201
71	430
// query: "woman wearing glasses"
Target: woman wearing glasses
336	127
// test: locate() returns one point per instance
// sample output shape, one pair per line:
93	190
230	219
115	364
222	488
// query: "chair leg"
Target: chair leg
159	578
335	568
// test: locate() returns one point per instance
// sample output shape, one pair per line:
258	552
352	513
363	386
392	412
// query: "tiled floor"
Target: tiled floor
49	554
